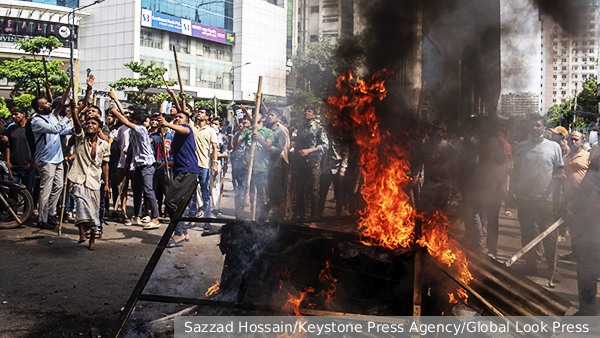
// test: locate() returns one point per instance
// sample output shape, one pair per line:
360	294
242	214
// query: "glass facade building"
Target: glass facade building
216	13
64	3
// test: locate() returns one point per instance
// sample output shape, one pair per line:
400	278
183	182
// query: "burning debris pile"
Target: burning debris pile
389	220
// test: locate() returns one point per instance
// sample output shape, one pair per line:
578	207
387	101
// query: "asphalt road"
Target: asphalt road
52	286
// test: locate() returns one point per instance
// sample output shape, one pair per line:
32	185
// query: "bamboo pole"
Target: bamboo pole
253	144
164	147
178	71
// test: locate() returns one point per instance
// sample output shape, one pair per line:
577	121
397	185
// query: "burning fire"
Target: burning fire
326	277
388	219
293	303
213	289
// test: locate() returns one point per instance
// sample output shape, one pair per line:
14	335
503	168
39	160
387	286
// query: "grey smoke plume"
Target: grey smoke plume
564	12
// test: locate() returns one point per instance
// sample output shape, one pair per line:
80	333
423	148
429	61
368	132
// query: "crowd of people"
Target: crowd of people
546	173
159	156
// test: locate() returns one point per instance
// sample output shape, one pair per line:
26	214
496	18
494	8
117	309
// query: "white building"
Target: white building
214	43
24	20
568	59
519	104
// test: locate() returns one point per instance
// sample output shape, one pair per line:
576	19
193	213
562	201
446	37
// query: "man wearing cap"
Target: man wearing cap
559	135
538	165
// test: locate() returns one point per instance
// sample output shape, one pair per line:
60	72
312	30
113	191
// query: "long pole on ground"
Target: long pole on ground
253	144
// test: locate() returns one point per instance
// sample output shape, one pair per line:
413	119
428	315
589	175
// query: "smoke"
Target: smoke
563	12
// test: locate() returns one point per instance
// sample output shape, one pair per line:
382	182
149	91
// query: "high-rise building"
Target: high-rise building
327	18
568	59
519	104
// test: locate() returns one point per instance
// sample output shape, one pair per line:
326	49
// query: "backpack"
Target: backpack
31	141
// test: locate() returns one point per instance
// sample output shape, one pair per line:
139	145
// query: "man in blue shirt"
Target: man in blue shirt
185	169
143	160
49	156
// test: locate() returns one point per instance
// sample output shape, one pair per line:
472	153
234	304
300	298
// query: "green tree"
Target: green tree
4	112
301	100
149	77
587	101
28	75
24	101
318	64
210	104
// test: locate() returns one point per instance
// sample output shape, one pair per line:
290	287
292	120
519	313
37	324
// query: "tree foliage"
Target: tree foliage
210	104
318	64
149	77
301	100
28	75
38	46
4	112
24	101
587	100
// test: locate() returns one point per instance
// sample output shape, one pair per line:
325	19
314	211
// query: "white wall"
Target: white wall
260	33
109	38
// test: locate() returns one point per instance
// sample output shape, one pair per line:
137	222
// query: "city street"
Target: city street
53	287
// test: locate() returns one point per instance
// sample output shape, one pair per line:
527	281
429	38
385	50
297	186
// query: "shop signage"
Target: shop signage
14	29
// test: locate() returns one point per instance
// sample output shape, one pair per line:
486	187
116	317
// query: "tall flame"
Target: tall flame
388	219
325	276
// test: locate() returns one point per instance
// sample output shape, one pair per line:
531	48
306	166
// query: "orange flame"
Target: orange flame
213	289
388	219
293	303
326	277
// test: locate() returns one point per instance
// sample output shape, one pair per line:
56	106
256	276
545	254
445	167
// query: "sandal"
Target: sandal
173	244
130	222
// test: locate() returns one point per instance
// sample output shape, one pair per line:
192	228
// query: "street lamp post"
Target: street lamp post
233	83
72	23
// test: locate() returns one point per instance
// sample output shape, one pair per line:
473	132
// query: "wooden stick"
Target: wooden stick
164	146
178	71
64	196
180	313
45	69
253	144
163	77
254	204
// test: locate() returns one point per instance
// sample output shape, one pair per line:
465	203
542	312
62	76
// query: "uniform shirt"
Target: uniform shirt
141	148
204	138
50	129
310	137
535	163
86	170
260	162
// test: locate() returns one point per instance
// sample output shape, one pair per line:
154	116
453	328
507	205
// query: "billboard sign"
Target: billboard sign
13	29
186	27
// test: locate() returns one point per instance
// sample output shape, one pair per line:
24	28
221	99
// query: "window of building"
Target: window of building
563	100
563	60
564	92
555	44
542	61
555	36
554	76
151	38
331	19
555	52
334	5
591	50
584	76
314	38
181	43
591	67
554	92
564	36
555	60
592	43
564	76
564	68
314	9
554	100
575	51
555	68
574	76
584	43
574	43
584	59
564	44
575	60
555	84
592	26
583	67
564	84
592	35
592	10
563	52
592	59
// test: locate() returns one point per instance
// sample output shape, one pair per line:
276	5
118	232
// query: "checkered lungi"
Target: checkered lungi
88	202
